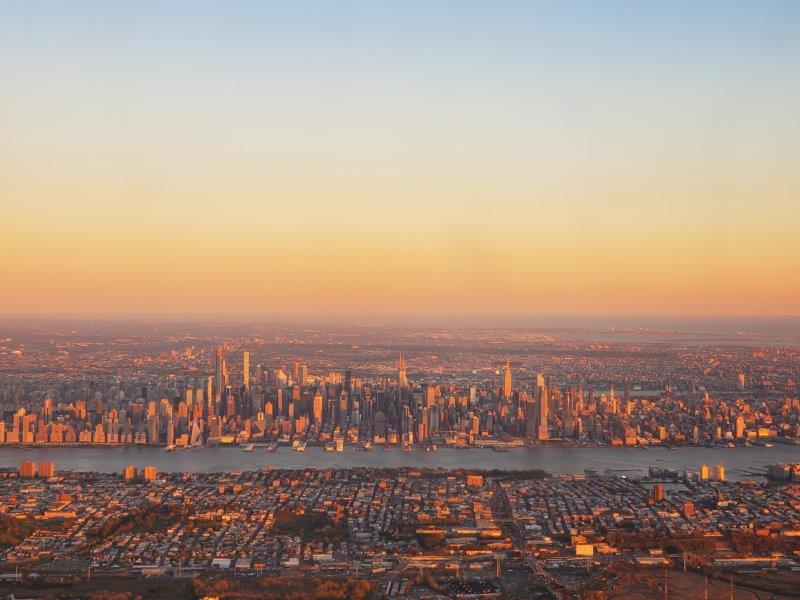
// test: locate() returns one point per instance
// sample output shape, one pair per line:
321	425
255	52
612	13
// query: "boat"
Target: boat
330	447
249	448
169	448
301	447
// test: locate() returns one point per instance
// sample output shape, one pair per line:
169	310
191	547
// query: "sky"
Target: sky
400	157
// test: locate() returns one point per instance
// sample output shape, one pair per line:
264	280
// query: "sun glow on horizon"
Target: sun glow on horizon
512	158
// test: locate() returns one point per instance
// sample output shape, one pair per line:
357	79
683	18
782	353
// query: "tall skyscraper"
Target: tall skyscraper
739	432
219	369
317	408
246	369
567	413
542	432
402	378
507	384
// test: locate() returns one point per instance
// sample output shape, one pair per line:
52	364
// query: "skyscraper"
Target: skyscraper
507	389
402	378
542	432
219	369
246	369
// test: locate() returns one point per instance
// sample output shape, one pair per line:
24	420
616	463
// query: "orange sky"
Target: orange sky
173	165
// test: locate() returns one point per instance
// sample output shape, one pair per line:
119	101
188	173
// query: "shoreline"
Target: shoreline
503	444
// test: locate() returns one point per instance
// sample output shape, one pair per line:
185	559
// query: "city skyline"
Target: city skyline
512	158
370	299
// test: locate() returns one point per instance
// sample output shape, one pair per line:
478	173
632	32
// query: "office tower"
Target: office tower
742	381
303	374
540	380
719	473
739	433
343	407
317	408
348	381
246	369
567	417
219	369
194	438
189	397
705	473
27	468
47	468
507	390
402	377
429	395
149	473
542	432
530	414
295	371
129	473
658	492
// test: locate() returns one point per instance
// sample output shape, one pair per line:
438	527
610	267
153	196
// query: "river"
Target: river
738	462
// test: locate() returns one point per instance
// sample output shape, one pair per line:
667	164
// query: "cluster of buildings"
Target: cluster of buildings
784	472
586	514
376	523
248	403
251	521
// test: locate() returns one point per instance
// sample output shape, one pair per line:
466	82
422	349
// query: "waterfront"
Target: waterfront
739	462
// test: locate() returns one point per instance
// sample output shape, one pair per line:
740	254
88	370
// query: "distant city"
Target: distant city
207	459
374	388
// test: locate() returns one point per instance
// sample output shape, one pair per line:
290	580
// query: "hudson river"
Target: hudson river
739	462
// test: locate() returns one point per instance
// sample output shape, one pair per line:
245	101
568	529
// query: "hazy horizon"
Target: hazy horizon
782	326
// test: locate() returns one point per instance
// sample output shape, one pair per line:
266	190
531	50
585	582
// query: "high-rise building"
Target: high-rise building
219	369
402	377
295	371
47	468
507	384
658	492
567	417
542	431
27	468
149	473
246	369
129	473
317	408
739	433
719	473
